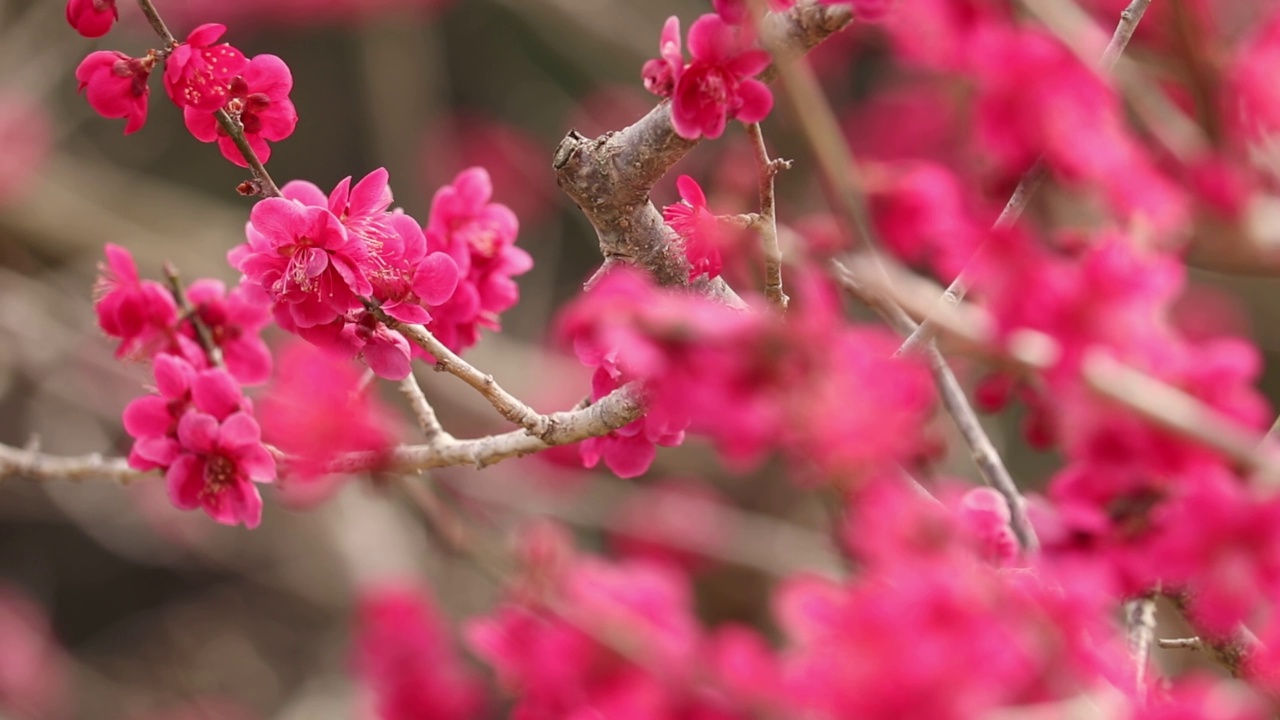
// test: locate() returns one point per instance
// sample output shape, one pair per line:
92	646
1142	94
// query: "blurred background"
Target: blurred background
115	605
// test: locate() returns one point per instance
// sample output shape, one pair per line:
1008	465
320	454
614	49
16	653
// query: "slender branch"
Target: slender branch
507	405
203	335
1156	401
34	465
990	466
1030	181
1191	643
610	177
611	412
262	183
1140	617
767	223
422	410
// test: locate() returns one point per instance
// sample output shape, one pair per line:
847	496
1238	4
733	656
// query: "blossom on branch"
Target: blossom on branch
258	99
480	236
697	227
719	83
116	86
92	18
198	73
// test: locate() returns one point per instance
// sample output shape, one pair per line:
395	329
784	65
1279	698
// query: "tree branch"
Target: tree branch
766	222
981	449
1030	181
610	177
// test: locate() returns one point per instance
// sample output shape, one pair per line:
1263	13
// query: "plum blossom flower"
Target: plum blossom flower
697	227
92	18
259	98
34	670
406	660
480	237
719	84
316	412
140	313
219	462
234	320
116	86
305	260
404	278
198	73
152	420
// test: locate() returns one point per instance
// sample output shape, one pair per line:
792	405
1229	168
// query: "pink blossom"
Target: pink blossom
719	83
234	321
697	227
140	313
661	73
315	412
92	18
404	278
985	514
198	72
480	237
404	657
919	209
1252	101
34	672
219	462
117	86
153	420
305	260
26	142
259	98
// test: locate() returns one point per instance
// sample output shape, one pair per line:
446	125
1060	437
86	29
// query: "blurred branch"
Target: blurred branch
610	177
1140	618
1034	177
1156	401
981	449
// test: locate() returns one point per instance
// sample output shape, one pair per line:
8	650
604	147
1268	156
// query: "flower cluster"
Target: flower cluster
200	430
717	85
746	379
198	427
201	76
321	258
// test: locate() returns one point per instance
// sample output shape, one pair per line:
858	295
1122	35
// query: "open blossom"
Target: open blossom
719	83
405	658
480	237
315	411
234	320
405	279
198	428
697	227
198	73
116	86
661	73
259	97
92	18
305	260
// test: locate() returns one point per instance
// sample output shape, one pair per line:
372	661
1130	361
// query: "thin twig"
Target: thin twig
767	224
204	336
1158	402
611	412
1140	618
507	405
263	184
990	466
1191	643
422	410
1029	184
